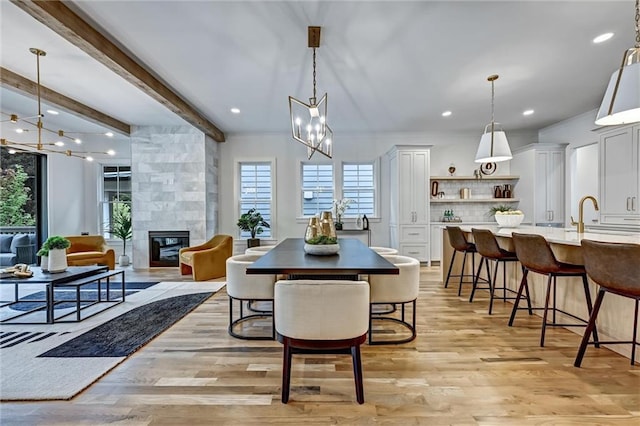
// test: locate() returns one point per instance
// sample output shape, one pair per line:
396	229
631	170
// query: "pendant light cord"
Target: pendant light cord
637	24
314	74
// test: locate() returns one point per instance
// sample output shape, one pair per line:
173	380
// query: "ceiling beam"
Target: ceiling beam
66	23
16	82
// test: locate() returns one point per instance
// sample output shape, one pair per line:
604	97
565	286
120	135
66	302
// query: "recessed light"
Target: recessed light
20	130
528	112
109	134
52	112
78	141
12	151
446	113
89	158
111	152
59	143
602	38
235	110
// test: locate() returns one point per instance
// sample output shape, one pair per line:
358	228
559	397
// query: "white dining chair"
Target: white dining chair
248	289
258	251
385	251
321	316
401	289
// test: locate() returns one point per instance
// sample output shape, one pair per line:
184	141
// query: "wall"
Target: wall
170	187
456	147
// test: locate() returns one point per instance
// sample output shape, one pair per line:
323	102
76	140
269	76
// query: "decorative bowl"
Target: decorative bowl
509	220
321	249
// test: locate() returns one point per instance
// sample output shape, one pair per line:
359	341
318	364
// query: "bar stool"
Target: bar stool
615	267
488	248
535	255
460	244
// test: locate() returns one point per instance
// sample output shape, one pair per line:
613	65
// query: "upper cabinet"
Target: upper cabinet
619	176
409	218
541	187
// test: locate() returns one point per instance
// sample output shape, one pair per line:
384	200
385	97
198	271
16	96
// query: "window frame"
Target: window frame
301	165
375	188
103	225
237	201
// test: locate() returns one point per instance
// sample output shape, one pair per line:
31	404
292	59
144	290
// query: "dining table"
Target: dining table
353	259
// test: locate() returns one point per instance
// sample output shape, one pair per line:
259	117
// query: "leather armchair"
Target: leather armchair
90	250
207	260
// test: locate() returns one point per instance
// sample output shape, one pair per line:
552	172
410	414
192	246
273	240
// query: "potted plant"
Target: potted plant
506	216
57	253
121	228
252	222
44	257
341	206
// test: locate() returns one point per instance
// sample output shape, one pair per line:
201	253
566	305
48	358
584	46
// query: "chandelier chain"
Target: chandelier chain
314	73
637	24
492	98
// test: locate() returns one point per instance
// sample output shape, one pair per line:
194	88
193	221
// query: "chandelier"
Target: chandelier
62	136
309	121
621	102
493	146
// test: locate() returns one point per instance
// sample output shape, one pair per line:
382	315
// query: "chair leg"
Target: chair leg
587	295
590	326
370	322
526	289
453	257
475	280
634	343
464	261
546	310
492	286
357	373
523	285
286	372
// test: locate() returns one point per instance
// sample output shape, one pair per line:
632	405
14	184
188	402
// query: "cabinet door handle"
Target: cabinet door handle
413	233
551	215
633	204
628	198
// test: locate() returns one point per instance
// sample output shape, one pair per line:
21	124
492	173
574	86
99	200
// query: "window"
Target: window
116	190
358	184
256	188
317	188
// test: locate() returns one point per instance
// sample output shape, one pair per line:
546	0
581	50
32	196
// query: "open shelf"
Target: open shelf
474	200
504	177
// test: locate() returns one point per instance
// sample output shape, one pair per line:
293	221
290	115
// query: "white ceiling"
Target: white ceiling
387	66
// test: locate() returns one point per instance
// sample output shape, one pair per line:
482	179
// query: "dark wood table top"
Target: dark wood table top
40	277
354	258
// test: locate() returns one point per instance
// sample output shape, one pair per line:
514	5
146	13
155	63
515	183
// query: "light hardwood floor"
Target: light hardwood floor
464	368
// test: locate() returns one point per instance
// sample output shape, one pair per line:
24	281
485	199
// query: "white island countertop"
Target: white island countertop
562	235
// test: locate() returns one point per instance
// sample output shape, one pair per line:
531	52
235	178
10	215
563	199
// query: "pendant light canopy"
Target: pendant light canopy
621	102
309	121
494	146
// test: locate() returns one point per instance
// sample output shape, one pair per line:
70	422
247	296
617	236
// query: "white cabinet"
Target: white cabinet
541	186
619	176
436	242
409	210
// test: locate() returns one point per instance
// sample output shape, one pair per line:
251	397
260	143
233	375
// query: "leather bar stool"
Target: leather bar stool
488	248
535	255
615	267
460	244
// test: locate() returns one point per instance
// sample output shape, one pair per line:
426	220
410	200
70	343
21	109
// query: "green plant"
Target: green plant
500	208
252	222
44	251
322	239
121	224
56	243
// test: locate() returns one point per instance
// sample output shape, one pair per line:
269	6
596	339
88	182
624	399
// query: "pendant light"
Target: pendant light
621	102
309	121
494	146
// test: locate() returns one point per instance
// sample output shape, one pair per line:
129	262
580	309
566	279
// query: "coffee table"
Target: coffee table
74	276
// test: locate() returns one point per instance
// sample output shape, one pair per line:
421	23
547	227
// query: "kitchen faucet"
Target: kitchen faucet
580	222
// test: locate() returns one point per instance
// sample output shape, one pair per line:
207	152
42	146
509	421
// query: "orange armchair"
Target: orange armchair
90	250
207	260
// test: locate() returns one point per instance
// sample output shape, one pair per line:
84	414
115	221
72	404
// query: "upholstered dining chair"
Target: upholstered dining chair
258	250
401	289
207	261
385	251
318	316
248	289
615	267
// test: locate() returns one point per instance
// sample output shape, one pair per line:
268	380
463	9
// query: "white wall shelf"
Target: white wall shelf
474	178
474	200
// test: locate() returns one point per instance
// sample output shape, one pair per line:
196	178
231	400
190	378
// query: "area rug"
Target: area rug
57	361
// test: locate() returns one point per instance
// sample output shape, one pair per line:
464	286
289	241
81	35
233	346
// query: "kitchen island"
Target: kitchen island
616	314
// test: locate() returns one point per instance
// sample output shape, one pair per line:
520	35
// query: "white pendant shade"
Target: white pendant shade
500	151
626	105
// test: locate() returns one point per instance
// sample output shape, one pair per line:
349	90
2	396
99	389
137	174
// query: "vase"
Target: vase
327	227
44	263
57	260
313	229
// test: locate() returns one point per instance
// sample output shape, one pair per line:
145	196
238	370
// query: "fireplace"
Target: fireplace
164	247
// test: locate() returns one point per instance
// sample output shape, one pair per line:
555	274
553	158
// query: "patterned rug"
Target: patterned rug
57	361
